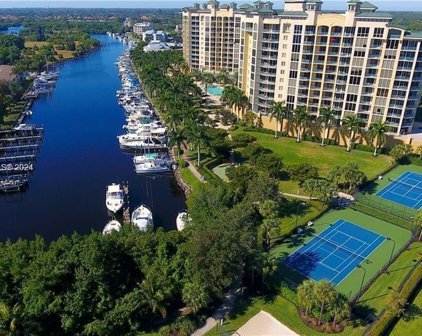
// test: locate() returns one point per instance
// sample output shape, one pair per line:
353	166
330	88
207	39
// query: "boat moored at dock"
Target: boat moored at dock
142	218
114	197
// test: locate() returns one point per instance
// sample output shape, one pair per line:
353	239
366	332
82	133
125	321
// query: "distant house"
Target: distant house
6	73
152	35
156	46
141	27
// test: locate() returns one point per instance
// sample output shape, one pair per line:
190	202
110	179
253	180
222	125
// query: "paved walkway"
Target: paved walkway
191	166
223	310
299	196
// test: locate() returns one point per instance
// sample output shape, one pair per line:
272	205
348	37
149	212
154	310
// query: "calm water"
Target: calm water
80	156
12	30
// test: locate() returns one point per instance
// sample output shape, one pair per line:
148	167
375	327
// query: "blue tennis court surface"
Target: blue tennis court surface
335	252
405	190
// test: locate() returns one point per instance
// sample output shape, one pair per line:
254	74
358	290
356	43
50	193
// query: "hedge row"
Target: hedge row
408	288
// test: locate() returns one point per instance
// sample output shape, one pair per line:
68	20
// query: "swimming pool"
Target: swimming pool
215	90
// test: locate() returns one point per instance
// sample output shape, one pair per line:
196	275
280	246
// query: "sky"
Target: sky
392	5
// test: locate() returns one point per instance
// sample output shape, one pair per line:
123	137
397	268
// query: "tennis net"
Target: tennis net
337	246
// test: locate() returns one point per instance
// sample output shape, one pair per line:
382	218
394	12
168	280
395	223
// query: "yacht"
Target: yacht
181	220
114	197
142	217
111	226
134	141
152	163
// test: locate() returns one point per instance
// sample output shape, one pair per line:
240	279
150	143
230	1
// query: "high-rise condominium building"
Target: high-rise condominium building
354	62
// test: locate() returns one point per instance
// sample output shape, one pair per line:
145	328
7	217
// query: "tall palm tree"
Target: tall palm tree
325	295
176	138
242	103
306	295
353	124
377	132
340	308
198	138
300	120
278	111
154	296
269	228
326	119
174	119
269	265
207	79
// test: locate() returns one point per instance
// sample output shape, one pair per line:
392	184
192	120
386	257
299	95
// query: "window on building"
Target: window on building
363	32
378	32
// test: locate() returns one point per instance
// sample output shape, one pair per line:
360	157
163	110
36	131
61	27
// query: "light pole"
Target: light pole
394	247
363	280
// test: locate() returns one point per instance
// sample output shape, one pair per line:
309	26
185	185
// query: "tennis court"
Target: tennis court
335	252
405	190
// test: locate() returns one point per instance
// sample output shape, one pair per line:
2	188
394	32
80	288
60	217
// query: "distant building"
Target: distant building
6	73
141	27
156	46
354	62
152	35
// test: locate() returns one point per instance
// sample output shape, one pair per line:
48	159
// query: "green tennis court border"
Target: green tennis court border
368	194
351	285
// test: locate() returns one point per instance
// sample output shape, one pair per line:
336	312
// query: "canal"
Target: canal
80	156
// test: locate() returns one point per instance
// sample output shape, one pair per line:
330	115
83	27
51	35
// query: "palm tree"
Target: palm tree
311	186
269	228
195	296
174	119
155	297
377	132
278	111
300	120
340	308
207	79
325	294
306	295
352	123
269	265
176	138
198	138
326	119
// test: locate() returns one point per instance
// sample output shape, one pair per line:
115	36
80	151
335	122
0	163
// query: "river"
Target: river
15	30
80	156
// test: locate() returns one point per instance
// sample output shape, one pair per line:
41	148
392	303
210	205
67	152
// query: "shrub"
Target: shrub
253	152
242	140
302	172
401	152
270	164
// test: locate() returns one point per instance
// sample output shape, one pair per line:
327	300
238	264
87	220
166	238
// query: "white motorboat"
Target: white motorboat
111	226
142	218
135	142
150	164
114	197
181	220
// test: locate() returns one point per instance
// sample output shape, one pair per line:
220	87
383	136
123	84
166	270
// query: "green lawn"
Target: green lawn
309	212
189	178
411	323
376	296
351	284
282	309
324	158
